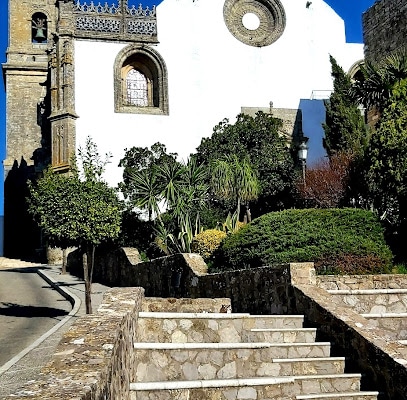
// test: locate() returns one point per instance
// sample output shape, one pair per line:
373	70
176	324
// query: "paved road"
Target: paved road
29	307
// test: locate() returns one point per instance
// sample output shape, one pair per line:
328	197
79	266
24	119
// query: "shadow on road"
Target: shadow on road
18	310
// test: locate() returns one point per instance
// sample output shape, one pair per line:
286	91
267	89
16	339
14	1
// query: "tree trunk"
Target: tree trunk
248	216
88	283
64	261
238	209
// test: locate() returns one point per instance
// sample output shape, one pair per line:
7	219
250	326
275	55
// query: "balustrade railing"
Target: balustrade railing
93	18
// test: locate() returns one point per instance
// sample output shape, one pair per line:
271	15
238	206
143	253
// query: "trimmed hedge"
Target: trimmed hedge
342	241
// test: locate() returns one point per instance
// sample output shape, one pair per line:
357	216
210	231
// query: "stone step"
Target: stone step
318	384
263	351
394	322
248	388
226	389
208	327
299	335
192	361
340	396
372	301
158	304
160	367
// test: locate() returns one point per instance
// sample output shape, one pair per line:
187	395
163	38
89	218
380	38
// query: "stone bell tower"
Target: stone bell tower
40	120
40	117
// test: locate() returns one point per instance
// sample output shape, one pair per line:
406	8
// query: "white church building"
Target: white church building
128	75
216	57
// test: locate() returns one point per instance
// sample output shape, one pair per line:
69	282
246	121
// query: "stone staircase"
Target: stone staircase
212	355
384	308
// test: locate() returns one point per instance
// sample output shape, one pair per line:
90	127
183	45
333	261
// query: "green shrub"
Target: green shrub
344	241
206	242
399	269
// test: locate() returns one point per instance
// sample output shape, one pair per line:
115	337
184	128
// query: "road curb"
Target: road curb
72	298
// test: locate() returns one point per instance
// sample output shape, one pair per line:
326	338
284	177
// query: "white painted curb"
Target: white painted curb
72	298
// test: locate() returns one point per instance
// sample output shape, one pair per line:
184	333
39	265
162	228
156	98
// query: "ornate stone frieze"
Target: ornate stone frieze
95	24
270	15
126	23
142	27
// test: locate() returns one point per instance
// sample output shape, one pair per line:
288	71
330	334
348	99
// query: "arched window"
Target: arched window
39	27
140	79
354	72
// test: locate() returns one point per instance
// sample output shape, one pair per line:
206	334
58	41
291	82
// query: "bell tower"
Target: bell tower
40	121
31	23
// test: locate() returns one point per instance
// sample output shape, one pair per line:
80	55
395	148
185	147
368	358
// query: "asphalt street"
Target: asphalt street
29	307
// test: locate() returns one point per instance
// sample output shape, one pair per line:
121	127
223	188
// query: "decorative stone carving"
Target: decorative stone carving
271	20
95	24
93	20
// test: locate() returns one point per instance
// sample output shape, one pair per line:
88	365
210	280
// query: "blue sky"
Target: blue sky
350	10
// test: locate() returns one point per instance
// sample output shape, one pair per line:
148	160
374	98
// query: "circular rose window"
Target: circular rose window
255	22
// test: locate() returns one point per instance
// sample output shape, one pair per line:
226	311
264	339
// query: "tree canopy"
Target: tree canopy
345	129
77	209
259	139
387	163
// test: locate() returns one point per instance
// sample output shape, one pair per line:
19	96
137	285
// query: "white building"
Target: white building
211	72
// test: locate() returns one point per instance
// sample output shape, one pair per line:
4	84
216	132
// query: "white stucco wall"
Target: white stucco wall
211	75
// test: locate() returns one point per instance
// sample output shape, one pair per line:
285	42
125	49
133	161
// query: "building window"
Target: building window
39	27
140	79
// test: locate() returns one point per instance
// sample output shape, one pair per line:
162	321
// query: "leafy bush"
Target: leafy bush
206	242
342	241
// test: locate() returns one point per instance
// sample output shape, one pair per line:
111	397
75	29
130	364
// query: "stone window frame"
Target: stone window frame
354	70
271	16
150	63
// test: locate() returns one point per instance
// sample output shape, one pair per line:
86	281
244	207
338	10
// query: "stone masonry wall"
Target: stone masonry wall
384	28
382	299
286	289
95	358
367	348
266	290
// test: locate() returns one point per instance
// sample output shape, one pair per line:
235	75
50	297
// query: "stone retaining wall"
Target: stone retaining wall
368	349
264	290
368	302
95	358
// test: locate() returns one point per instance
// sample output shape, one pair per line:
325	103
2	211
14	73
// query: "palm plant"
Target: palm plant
375	89
147	192
178	188
169	175
235	179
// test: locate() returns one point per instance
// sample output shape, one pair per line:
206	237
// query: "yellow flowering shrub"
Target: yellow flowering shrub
206	242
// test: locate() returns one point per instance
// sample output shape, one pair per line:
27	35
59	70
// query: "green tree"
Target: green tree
79	208
383	89
375	89
142	183
172	192
49	203
387	167
345	129
234	179
258	138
